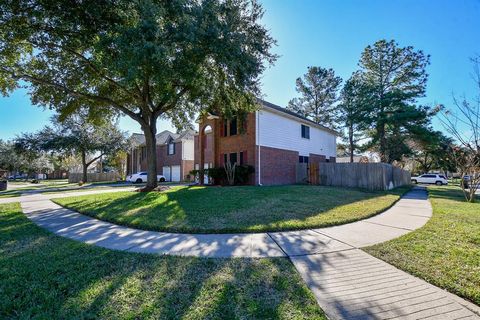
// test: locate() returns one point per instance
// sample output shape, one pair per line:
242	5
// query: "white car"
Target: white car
431	178
140	177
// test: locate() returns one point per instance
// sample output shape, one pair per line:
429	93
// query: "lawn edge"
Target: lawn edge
238	231
471	305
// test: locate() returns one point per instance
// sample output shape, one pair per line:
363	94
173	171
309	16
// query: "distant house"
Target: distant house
174	155
369	157
272	140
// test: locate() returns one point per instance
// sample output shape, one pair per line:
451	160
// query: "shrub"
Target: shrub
219	175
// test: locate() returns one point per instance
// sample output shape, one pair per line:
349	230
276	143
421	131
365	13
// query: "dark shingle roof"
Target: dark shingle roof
163	137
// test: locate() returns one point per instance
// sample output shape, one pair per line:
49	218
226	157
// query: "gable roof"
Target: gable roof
293	114
163	137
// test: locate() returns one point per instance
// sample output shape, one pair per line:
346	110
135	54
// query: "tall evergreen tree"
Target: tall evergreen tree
395	77
352	112
318	96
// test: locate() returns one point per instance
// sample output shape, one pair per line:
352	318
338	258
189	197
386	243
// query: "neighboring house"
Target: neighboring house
174	155
272	140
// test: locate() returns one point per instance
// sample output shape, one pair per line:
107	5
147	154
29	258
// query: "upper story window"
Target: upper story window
231	127
303	159
171	147
305	132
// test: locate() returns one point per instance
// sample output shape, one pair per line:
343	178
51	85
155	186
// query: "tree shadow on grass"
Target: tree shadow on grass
449	193
234	209
45	276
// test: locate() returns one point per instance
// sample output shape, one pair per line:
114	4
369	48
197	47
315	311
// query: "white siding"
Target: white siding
282	132
188	149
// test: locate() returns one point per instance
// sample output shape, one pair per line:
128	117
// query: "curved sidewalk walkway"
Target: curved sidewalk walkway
347	282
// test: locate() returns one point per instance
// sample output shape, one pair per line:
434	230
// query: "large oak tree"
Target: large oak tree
147	59
76	135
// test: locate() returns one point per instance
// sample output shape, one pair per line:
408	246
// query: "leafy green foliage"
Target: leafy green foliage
393	79
318	94
352	113
15	159
218	174
78	135
145	59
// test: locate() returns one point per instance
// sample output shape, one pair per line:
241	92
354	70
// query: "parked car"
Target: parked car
431	178
18	176
140	177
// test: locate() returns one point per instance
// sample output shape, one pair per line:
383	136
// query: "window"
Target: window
303	159
233	126
143	173
305	132
241	158
225	158
171	147
233	158
225	128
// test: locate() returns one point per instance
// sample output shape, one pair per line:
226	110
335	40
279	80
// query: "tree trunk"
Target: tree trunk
151	145
383	142
84	166
350	139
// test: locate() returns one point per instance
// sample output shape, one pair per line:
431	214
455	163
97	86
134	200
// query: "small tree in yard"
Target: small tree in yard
230	172
78	136
318	96
463	122
146	59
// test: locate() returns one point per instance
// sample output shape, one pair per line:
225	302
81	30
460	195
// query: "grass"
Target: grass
6	194
446	251
234	209
48	277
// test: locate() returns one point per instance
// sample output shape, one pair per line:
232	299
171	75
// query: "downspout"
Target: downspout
259	150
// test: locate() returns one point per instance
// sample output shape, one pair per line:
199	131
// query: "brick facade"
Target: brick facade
316	158
136	162
217	144
277	166
163	159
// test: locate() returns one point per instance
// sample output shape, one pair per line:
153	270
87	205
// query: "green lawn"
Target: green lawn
48	277
6	194
234	209
446	251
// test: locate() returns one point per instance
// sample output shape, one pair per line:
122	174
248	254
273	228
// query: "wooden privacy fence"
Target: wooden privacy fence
371	176
94	177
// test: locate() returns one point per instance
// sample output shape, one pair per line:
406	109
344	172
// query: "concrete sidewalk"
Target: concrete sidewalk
347	282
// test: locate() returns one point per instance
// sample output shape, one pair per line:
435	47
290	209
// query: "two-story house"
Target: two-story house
272	140
175	154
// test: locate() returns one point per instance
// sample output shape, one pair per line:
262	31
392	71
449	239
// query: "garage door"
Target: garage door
166	173
176	176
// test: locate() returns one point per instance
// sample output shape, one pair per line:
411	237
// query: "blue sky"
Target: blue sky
332	34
